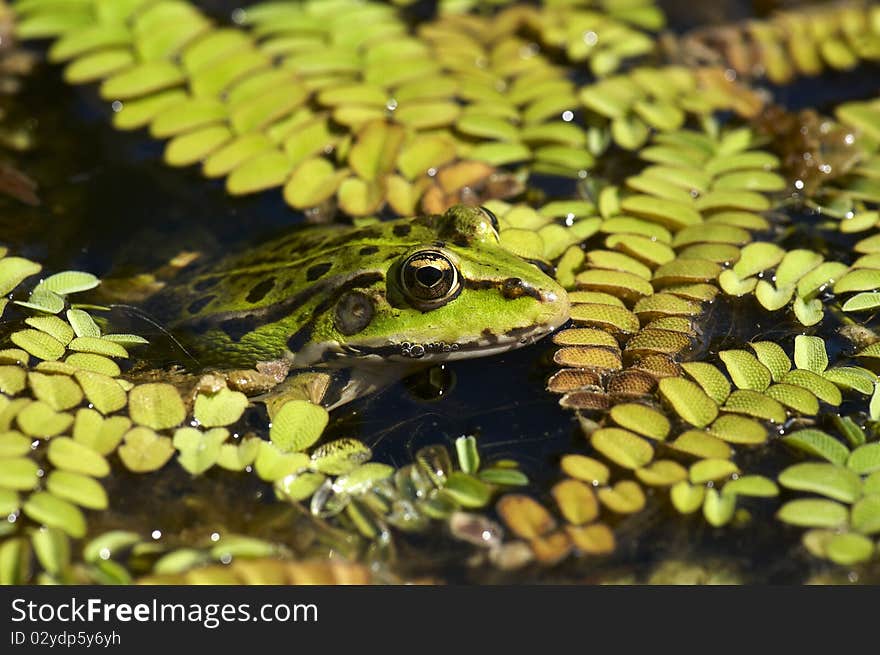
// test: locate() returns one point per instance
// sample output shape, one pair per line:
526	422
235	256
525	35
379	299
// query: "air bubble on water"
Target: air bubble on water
798	184
239	16
104	553
391	105
225	558
156	534
569	219
116	106
215	536
590	37
567	115
730	75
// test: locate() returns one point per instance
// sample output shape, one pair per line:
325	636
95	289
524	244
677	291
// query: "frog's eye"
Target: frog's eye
429	279
493	219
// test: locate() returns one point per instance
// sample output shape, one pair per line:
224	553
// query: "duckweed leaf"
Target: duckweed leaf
70	282
297	425
585	468
198	450
467	490
143	450
221	408
52	325
83	325
813	513
39	344
12	379
340	456
299	486
47	509
98	346
625	497
710	470
39	420
77	488
834	481
622	447
745	370
688	401
13	271
503	477
849	548
718	508
641	419
156	405
103	392
524	516
818	443
58	391
687	498
752	485
809	353
43	300
70	455
19	473
865	459
866	513
662	473
710	379
468	457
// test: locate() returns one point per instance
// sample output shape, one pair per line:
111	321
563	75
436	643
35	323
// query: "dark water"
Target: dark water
110	206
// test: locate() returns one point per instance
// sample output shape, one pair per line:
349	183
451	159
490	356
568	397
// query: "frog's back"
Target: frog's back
245	307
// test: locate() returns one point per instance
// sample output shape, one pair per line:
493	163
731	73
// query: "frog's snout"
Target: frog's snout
555	306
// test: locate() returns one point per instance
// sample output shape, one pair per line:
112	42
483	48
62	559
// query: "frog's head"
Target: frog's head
439	288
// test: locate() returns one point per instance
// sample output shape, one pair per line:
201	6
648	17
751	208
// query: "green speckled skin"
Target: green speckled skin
282	300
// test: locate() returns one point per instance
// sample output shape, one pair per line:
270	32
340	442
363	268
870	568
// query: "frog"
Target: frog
380	300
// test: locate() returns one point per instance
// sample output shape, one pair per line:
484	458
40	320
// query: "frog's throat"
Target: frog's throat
379	353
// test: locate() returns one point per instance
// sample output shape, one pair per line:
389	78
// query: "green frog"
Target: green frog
379	301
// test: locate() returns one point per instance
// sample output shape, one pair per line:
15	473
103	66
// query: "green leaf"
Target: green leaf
622	447
809	353
818	443
143	450
224	407
866	514
156	405
835	481
865	459
468	457
297	425
77	488
340	456
70	455
688	401
745	370
813	513
14	270
47	509
69	282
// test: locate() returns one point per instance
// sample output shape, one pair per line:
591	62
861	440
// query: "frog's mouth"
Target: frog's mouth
422	354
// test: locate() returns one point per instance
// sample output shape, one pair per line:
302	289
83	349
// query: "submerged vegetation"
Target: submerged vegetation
721	252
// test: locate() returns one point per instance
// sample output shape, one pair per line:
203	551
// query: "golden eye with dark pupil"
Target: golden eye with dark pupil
429	278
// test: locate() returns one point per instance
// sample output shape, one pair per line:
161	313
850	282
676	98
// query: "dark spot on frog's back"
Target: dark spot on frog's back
198	305
259	291
402	230
236	328
368	250
318	270
206	283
